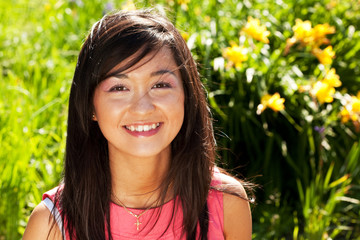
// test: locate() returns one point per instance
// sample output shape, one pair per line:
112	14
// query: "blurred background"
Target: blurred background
283	82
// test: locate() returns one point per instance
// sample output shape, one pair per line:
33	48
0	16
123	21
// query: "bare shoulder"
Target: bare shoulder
237	214
39	225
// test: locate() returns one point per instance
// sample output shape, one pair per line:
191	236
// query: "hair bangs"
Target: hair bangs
123	49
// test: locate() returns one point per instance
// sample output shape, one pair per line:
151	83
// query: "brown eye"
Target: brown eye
118	88
162	85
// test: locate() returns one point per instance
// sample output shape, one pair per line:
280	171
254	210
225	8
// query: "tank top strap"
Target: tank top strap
216	208
48	199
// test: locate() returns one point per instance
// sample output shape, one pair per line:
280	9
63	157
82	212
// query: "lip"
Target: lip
144	133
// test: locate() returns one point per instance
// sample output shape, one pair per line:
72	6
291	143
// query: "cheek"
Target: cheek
178	111
182	106
109	108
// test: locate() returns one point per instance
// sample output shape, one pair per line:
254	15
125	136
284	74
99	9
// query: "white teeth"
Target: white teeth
142	128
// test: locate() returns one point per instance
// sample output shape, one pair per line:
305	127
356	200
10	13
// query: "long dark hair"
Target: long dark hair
85	197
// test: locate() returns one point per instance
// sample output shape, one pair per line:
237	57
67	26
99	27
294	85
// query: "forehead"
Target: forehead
162	58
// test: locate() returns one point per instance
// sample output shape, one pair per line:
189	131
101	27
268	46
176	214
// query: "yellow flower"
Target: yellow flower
345	115
197	11
354	117
185	35
129	6
324	56
256	31
236	54
306	35
207	19
355	107
351	110
184	4
332	78
323	92
319	33
332	4
47	7
275	102
303	31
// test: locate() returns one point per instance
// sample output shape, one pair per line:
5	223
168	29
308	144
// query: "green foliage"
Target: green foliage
306	156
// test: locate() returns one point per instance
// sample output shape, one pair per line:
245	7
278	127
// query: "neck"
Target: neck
136	180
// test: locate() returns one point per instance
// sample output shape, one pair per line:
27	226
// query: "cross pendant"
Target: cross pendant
137	224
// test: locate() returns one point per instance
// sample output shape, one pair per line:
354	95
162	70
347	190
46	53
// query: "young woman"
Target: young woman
140	149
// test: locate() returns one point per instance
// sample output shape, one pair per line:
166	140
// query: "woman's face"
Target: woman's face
141	110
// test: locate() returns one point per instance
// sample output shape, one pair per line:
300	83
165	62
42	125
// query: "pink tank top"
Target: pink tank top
123	225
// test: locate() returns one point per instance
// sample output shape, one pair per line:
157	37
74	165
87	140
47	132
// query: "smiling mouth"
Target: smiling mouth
142	128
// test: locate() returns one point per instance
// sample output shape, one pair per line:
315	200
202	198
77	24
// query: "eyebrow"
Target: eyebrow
161	72
153	74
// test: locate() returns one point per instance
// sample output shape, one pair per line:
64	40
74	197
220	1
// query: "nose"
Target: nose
143	104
